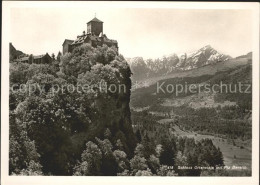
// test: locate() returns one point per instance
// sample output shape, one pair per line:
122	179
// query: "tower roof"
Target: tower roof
95	20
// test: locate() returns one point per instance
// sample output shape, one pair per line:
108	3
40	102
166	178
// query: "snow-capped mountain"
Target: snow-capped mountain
204	56
156	67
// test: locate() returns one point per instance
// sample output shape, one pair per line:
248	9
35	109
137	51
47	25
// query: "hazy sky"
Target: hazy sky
139	32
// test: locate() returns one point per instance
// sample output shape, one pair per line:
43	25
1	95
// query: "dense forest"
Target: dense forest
69	132
175	152
49	131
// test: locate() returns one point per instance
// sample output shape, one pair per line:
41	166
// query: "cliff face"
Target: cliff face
106	105
112	105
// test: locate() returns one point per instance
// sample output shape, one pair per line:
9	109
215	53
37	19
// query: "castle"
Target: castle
94	37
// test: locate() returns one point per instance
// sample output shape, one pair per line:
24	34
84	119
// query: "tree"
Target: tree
139	150
148	147
83	169
24	158
33	169
138	135
90	161
124	173
53	56
138	163
153	163
181	160
168	153
146	172
119	144
107	134
158	150
164	171
108	162
59	56
47	124
121	159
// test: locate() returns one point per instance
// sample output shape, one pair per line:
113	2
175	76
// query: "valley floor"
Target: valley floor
238	154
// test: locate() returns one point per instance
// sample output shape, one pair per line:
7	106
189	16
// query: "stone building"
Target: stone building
37	59
94	36
67	46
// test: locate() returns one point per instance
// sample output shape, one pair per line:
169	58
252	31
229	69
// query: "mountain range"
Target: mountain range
145	69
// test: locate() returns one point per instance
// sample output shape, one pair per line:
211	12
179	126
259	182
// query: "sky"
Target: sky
149	33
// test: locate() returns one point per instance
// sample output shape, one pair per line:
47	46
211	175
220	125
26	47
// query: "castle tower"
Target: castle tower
95	27
95	37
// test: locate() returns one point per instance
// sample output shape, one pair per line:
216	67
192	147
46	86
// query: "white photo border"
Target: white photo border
35	180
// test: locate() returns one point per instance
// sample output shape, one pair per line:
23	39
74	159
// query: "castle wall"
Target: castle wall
66	48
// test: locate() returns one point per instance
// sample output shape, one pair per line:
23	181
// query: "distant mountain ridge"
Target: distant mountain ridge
149	68
247	56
